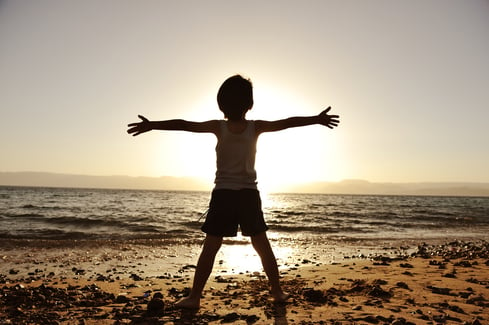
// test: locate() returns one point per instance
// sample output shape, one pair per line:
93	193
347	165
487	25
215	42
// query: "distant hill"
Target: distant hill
195	184
86	181
366	187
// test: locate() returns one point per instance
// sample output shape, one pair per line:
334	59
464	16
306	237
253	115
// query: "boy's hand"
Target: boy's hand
141	127
330	121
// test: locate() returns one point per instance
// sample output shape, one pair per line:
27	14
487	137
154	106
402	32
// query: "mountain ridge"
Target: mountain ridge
348	186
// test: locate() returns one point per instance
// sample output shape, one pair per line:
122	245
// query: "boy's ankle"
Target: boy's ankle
188	303
280	296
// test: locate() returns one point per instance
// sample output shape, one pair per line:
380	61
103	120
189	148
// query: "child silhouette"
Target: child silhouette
235	199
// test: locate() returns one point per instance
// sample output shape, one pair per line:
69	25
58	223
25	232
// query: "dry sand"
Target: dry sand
439	284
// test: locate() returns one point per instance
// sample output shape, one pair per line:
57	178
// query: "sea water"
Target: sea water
99	214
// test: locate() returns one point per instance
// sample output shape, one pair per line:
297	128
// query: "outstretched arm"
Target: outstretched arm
323	118
174	125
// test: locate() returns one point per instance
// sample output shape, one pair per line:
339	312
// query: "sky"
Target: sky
409	80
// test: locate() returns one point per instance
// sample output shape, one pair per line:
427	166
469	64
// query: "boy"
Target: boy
235	199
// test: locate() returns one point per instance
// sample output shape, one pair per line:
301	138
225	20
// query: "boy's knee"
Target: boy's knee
260	242
260	237
213	242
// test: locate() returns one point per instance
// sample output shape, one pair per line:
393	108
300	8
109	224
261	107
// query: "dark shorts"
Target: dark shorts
229	209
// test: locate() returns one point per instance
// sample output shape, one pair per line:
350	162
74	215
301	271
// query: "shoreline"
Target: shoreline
439	283
156	256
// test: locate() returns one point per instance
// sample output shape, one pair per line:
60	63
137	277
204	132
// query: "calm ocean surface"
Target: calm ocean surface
62	213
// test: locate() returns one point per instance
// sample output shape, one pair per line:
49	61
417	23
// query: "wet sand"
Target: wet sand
128	283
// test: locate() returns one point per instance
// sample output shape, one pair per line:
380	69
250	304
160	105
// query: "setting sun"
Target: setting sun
292	156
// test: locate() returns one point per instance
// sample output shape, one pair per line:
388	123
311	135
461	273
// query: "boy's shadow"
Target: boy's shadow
188	316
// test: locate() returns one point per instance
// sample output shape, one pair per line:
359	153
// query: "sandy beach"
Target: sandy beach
120	283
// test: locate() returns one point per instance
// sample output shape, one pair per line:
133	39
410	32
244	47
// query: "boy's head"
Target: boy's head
235	97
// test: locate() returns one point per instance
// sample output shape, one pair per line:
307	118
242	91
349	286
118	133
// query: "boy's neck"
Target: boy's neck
237	126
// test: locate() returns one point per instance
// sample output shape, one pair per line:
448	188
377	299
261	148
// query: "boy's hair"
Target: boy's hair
235	97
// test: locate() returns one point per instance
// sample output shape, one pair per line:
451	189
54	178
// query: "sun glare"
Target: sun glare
291	156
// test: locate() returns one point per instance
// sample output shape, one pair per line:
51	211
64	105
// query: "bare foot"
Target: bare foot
280	296
188	303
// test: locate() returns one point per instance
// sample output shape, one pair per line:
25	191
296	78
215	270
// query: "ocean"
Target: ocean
176	216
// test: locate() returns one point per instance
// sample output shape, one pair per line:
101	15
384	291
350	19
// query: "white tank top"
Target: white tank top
236	158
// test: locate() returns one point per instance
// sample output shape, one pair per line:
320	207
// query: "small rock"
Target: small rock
441	291
402	285
371	319
456	309
136	277
156	307
463	264
121	299
449	275
251	319
313	295
231	317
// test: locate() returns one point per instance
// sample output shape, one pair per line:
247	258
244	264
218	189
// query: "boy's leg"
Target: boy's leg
202	272
262	246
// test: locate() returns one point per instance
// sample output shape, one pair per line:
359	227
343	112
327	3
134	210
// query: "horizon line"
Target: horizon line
192	183
200	178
